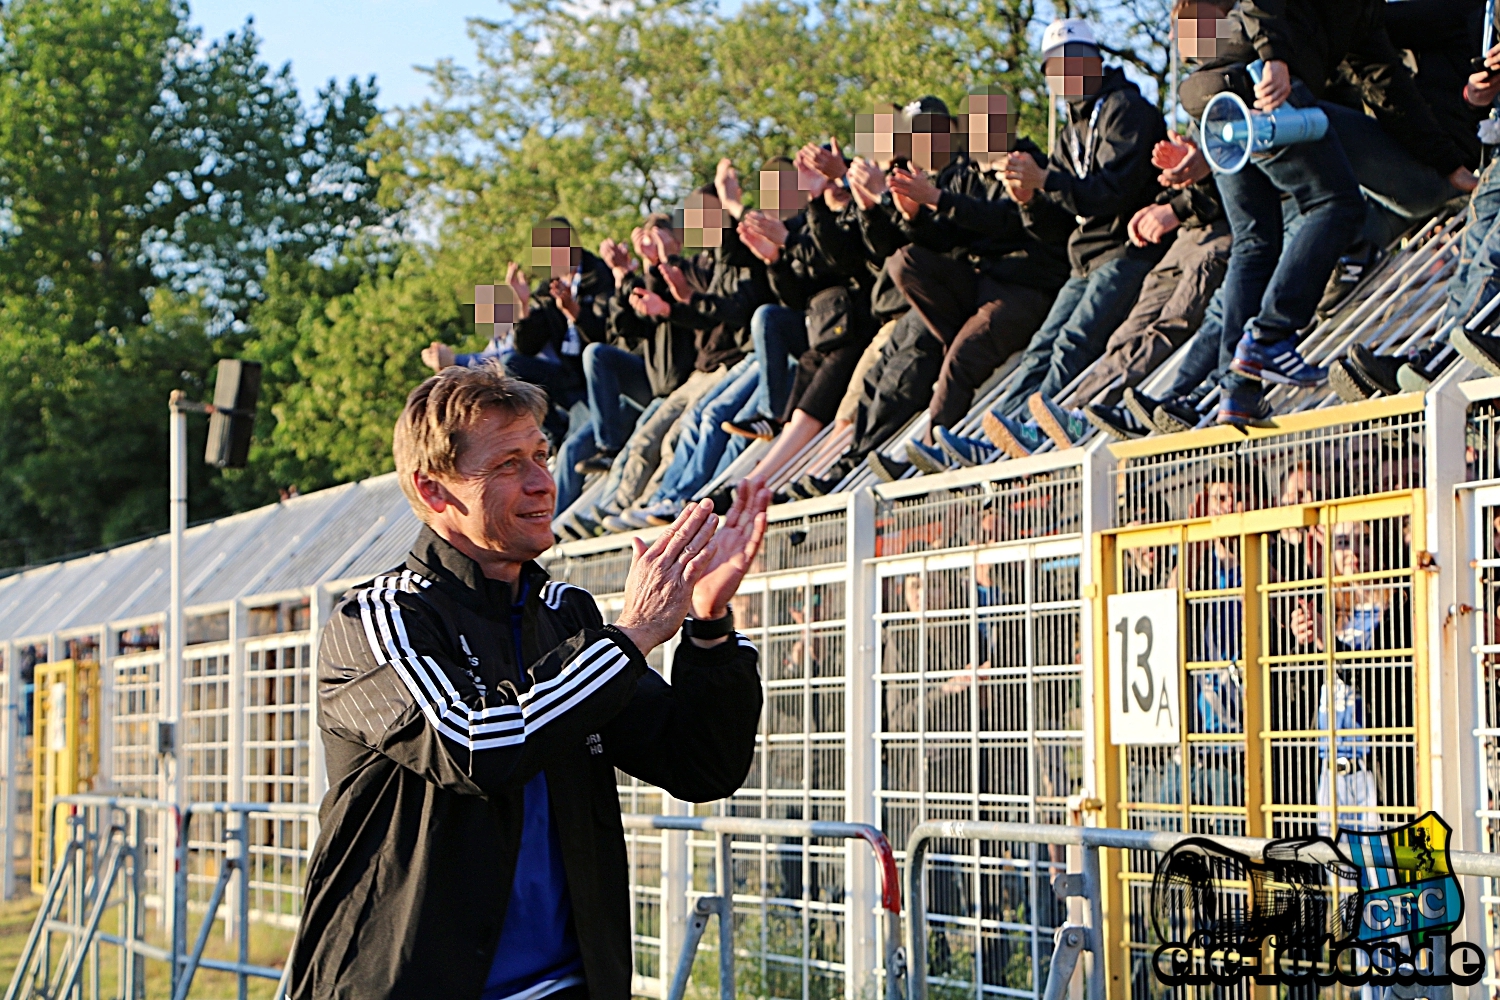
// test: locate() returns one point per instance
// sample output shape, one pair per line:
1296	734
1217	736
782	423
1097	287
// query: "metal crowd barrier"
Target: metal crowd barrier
722	904
1073	939
106	849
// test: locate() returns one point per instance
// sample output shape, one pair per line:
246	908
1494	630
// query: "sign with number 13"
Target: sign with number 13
1143	668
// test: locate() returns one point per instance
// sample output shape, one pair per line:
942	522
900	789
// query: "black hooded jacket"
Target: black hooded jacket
1341	51
1101	172
432	731
546	325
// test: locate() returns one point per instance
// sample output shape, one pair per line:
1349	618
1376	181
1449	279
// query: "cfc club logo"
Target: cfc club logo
1373	908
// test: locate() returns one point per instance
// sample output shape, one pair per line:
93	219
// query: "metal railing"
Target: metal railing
721	904
102	865
1074	939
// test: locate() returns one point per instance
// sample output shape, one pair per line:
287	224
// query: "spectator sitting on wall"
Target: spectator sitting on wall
544	341
1102	173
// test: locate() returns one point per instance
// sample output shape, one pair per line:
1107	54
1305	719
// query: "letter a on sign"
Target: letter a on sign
1142	691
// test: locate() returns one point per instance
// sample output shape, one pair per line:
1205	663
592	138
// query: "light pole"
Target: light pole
232	418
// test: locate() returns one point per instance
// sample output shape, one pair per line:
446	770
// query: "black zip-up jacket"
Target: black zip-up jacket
1325	41
547	325
669	350
432	731
729	284
820	253
975	220
1119	179
1442	36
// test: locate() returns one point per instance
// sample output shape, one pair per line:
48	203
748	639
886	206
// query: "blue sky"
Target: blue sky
343	38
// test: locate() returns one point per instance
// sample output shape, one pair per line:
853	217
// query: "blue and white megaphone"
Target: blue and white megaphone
1233	131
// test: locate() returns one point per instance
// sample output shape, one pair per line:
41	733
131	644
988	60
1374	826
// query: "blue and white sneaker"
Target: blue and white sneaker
967	452
632	519
663	512
1278	363
1244	406
1011	436
929	459
1065	427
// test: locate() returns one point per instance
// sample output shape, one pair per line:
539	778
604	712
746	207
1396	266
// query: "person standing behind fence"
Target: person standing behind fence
474	713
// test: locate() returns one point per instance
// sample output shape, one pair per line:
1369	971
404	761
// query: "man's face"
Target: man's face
554	250
932	142
1078	72
669	240
703	221
881	135
503	493
780	194
991	127
1300	486
1201	31
494	305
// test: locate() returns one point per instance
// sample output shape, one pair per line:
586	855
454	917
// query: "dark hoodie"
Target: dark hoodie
1101	173
1340	50
546	326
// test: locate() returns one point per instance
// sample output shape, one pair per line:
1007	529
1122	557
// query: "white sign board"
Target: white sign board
1143	703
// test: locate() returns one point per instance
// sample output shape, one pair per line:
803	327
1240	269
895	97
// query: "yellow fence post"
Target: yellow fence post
65	749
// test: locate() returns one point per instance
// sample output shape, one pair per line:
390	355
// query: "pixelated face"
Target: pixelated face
494	306
701	221
932	142
555	250
990	126
882	134
781	194
1202	31
1078	72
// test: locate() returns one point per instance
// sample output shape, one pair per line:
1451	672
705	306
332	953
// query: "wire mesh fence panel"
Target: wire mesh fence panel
1343	460
980	716
277	747
204	756
134	760
1485	551
790	894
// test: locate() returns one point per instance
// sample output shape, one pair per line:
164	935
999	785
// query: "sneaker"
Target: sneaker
929	459
967	452
1350	382
1141	406
599	462
1013	437
759	428
1377	368
1175	416
886	469
1351	270
633	519
1065	427
663	512
723	499
590	527
1278	363
1116	421
1480	348
567	531
1245	406
1419	372
810	486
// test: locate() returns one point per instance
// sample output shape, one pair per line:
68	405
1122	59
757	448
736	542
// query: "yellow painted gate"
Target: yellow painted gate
65	749
1300	678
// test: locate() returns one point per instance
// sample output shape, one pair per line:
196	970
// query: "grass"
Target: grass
268	946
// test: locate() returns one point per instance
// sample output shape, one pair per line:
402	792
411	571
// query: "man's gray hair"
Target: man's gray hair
430	433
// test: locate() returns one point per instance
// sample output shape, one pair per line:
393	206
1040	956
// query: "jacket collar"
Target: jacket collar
1114	79
436	559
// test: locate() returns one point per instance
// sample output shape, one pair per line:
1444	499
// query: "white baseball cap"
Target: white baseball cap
1073	30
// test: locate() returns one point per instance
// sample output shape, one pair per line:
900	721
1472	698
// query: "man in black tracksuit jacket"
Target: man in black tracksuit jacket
462	713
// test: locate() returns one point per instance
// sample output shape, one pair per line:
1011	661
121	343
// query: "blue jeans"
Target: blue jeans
780	336
1477	279
1073	336
704	442
577	446
614	375
1401	188
1212	348
1275	278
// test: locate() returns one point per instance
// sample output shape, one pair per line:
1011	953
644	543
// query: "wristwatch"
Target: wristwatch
718	628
